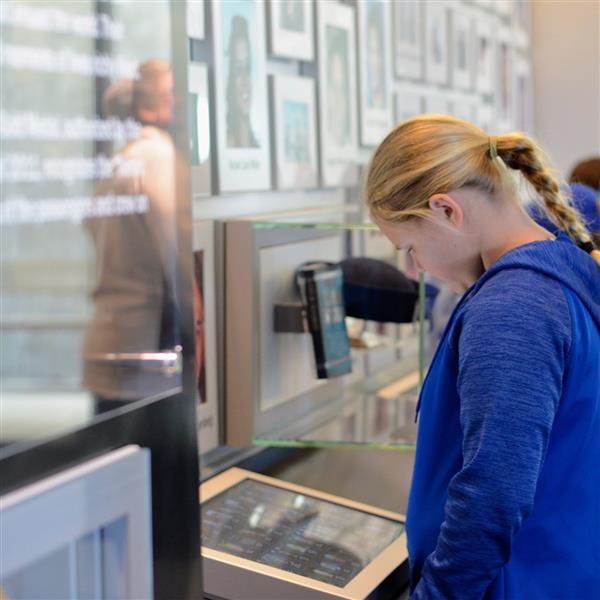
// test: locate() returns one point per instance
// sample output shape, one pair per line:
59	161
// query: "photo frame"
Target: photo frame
199	130
291	29
243	144
195	19
408	103
205	328
504	97
337	93
293	102
484	63
436	43
462	50
523	103
407	19
375	71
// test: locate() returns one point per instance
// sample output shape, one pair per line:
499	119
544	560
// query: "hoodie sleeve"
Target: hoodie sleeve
512	352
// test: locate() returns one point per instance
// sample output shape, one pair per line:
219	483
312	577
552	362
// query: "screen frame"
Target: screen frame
359	587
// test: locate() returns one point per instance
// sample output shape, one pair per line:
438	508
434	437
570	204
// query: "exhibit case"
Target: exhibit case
324	334
265	538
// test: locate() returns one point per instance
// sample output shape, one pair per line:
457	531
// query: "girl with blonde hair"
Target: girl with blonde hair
505	496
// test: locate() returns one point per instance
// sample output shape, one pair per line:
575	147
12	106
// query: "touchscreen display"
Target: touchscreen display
297	533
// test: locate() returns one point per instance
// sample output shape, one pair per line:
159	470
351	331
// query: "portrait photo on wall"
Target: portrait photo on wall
199	130
504	88
241	95
205	340
291	30
409	103
407	39
484	54
295	132
337	93
462	50
195	19
375	72
437	55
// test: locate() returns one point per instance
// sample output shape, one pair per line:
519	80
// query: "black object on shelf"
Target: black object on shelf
375	290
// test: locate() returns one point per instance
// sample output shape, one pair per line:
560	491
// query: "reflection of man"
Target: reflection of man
239	87
375	56
134	296
338	93
199	324
292	15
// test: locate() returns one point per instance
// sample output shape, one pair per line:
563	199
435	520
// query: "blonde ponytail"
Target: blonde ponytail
521	153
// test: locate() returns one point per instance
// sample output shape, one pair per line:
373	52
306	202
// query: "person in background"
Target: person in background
505	496
135	309
587	172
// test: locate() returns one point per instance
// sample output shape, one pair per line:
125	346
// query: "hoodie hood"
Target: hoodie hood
560	259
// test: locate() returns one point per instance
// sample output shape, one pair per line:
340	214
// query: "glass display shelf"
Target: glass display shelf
324	329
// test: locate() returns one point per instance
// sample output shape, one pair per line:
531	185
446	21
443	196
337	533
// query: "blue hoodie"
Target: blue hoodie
505	497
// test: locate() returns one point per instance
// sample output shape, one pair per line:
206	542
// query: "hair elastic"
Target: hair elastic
493	146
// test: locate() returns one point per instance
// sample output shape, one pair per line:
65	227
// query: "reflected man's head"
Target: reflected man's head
153	98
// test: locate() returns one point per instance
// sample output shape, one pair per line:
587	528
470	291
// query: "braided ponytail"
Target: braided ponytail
521	153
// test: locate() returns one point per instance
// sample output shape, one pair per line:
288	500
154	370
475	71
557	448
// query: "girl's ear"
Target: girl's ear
446	209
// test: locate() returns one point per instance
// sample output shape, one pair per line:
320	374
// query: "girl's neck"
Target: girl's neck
514	228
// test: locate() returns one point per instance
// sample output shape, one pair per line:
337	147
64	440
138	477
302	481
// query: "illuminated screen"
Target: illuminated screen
300	534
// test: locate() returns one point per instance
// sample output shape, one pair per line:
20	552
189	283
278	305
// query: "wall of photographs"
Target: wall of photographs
296	94
289	98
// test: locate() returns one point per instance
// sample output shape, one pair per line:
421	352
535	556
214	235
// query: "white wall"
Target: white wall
566	65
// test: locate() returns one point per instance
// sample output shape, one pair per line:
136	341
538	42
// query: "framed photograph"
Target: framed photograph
409	102
522	22
484	55
437	103
375	71
291	32
462	50
199	130
337	93
243	146
195	19
523	104
505	74
295	132
408	43
436	42
205	328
